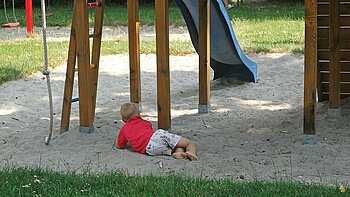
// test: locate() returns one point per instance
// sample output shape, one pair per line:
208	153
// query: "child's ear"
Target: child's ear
124	120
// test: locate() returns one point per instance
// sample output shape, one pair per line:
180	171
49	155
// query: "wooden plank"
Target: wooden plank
344	66
310	66
344	33
204	55
324	55
344	87
323	9
327	1
84	74
163	71
96	51
69	82
334	56
323	21
344	77
134	50
342	95
323	43
344	8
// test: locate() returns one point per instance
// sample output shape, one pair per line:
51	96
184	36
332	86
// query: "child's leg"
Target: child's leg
179	153
189	147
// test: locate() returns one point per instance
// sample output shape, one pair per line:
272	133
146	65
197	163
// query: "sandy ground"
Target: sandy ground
254	130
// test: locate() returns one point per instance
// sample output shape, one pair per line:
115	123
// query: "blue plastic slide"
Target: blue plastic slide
227	57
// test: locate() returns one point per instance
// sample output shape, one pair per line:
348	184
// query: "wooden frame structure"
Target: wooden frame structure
79	52
326	73
162	53
88	71
327	57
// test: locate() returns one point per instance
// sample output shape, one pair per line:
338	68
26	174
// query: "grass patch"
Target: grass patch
261	27
24	57
113	15
21	58
38	182
271	27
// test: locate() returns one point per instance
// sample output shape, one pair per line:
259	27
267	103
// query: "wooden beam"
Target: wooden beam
96	51
204	56
310	64
134	50
163	71
334	55
69	82
84	73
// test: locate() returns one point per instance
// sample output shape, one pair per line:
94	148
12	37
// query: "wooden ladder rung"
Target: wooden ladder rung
74	100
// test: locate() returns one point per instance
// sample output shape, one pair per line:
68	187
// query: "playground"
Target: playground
253	131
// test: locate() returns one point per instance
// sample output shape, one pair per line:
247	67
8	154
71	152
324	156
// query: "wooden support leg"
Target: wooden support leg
204	56
334	59
163	71
96	51
68	87
86	96
310	64
134	51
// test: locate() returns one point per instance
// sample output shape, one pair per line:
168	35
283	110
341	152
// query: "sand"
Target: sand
254	130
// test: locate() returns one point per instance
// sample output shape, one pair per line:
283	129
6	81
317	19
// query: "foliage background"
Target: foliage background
36	3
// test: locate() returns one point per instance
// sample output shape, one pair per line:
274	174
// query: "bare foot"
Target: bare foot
179	155
191	156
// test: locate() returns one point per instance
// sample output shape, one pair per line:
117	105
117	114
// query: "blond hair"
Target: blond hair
128	110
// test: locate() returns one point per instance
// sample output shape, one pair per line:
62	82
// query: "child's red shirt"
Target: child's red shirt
137	132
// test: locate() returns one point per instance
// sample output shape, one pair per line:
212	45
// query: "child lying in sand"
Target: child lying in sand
142	138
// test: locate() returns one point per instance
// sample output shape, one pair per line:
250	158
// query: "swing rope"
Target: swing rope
14	23
7	19
13	11
46	72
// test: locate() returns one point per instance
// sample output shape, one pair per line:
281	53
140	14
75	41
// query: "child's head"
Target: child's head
129	110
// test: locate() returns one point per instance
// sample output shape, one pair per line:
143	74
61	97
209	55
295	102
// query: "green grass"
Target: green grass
38	182
271	27
260	28
20	58
113	15
24	57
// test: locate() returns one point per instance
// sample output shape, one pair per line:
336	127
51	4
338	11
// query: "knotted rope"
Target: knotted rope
46	72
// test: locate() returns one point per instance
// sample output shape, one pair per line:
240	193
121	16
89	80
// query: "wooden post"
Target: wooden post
96	51
310	64
68	87
84	74
163	71
134	51
334	58
204	56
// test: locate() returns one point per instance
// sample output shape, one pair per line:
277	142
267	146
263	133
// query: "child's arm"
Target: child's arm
119	147
121	140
